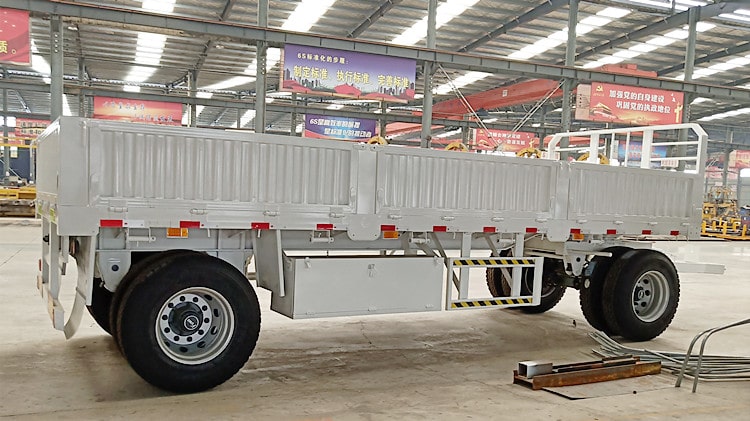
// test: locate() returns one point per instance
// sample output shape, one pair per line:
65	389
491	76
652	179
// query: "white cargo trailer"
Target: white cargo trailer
163	221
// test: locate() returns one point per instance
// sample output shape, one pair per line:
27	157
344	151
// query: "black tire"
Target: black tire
640	294
590	295
135	268
552	290
188	322
101	300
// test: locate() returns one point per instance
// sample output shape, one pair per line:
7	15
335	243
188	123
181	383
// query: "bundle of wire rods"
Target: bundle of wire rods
712	368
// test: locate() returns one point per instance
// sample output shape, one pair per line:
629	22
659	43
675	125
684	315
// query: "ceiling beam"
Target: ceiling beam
669	22
226	10
278	37
535	13
737	49
384	7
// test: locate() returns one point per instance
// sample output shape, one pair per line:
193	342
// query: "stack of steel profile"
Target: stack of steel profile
708	367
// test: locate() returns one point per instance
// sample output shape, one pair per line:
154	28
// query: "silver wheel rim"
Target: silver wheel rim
194	325
650	296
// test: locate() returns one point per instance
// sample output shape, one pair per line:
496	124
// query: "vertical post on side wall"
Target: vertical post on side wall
81	96
383	120
427	74
260	71
6	150
56	66
192	77
293	123
693	17
570	59
725	170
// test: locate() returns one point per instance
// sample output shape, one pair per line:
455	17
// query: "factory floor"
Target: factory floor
439	365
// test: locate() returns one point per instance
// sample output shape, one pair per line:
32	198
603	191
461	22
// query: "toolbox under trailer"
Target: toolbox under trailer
163	221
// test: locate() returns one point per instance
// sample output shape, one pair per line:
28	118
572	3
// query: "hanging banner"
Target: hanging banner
138	111
739	159
15	38
339	128
28	128
628	104
634	153
507	140
328	72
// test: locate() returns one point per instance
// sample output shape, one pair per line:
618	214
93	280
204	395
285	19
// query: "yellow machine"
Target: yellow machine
721	216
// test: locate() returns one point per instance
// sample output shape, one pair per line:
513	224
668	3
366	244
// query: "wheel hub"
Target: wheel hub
194	325
650	296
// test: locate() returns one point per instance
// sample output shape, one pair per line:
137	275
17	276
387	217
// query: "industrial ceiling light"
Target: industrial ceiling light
307	13
444	14
158	6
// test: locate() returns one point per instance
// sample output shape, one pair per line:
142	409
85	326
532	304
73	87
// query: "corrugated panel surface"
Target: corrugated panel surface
410	181
161	166
635	192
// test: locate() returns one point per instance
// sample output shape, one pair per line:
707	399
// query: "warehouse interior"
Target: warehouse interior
525	67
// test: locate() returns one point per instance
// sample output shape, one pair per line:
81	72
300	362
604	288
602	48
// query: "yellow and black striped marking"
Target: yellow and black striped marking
490	303
488	262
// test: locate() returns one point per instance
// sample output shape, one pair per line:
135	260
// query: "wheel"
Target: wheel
640	294
135	268
552	291
590	295
101	300
188	322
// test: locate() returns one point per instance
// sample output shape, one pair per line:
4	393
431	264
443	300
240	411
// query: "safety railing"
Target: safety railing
633	137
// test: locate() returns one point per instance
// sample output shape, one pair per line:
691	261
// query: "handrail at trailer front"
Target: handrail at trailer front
647	145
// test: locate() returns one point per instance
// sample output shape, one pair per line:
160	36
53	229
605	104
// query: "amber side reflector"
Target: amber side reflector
177	233
390	234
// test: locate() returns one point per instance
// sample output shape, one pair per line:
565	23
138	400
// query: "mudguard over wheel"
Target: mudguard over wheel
552	289
188	322
590	295
101	300
640	294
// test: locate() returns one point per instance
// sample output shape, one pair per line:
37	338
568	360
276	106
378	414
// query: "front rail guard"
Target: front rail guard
55	252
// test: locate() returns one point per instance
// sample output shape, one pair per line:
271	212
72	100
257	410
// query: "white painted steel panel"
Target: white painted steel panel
436	180
213	167
372	285
600	192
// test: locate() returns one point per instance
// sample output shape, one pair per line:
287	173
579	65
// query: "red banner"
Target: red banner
15	39
739	159
138	111
29	129
629	104
509	141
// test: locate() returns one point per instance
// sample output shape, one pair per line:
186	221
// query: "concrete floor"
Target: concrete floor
437	365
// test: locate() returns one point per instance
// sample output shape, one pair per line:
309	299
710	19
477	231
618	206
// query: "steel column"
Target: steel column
570	58
260	71
56	66
725	170
693	17
427	74
192	77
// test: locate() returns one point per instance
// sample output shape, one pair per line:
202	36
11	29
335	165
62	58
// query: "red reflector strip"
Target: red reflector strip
439	228
575	230
489	229
387	228
611	232
674	233
530	230
110	223
260	225
646	232
324	227
190	224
